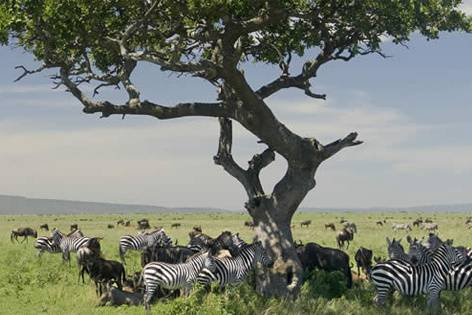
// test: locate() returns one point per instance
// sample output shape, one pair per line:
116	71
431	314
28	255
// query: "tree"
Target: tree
100	42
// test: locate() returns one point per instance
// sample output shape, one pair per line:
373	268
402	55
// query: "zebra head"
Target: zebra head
262	256
395	249
418	253
209	262
448	255
56	236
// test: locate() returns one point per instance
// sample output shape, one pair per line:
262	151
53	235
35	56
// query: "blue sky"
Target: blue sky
413	110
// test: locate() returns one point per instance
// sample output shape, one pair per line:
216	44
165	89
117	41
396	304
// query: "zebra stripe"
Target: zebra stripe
396	251
46	244
143	240
67	244
234	270
174	276
413	280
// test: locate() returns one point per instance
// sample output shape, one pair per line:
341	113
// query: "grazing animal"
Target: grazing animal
417	222
75	234
174	276
401	226
171	255
198	228
143	224
428	220
468	220
418	253
102	271
313	256
249	224
363	260
46	244
44	227
395	250
127	223
68	243
234	270
25	232
429	226
305	223
433	242
110	226
345	235
342	221
330	226
379	223
175	225
120	222
74	227
414	280
117	297
351	226
141	241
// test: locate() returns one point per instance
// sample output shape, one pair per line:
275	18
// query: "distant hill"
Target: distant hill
24	205
463	207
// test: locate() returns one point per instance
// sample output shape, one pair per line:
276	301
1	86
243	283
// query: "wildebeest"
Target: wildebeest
44	226
429	226
120	222
249	224
417	222
102	271
345	235
198	228
342	220
363	260
127	223
23	231
401	226
350	225
379	223
74	227
175	225
330	226
312	256
172	255
110	226
468	220
305	223
143	224
428	220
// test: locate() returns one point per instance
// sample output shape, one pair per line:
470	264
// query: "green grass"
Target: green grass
32	285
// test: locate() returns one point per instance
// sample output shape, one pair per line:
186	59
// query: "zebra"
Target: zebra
395	250
46	244
401	226
174	276
143	240
418	253
68	244
413	280
234	270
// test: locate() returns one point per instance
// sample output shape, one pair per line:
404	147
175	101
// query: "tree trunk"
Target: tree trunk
273	229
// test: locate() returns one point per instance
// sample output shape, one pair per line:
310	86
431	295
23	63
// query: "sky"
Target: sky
413	110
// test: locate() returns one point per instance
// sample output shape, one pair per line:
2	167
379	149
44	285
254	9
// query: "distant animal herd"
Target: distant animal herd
430	266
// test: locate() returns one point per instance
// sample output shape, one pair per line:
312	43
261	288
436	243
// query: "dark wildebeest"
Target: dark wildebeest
417	222
342	221
143	224
468	220
345	235
330	226
198	228
74	227
175	225
110	226
127	223
120	222
363	259
102	271
44	226
312	256
350	225
25	232
428	220
379	223
305	223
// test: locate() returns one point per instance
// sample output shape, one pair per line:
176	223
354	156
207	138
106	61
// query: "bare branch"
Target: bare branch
334	147
28	72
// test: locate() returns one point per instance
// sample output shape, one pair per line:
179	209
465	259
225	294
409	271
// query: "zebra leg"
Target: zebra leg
148	294
381	296
434	303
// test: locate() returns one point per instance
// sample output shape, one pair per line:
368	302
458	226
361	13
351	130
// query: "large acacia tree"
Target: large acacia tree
101	42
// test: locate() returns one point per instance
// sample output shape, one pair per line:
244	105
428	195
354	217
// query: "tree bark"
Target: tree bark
273	229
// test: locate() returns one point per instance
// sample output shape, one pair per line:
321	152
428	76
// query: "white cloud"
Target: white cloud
466	6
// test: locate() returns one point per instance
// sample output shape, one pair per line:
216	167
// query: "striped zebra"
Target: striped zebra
395	250
46	244
234	270
68	244
142	241
413	280
174	276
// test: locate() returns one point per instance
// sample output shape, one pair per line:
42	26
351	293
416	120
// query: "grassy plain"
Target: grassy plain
32	285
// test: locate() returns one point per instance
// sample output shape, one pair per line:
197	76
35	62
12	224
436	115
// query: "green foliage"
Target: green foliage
325	284
59	31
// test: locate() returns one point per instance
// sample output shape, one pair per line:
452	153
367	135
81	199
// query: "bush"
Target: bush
324	284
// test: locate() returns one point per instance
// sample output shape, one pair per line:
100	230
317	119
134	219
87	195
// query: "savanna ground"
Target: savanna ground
29	285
